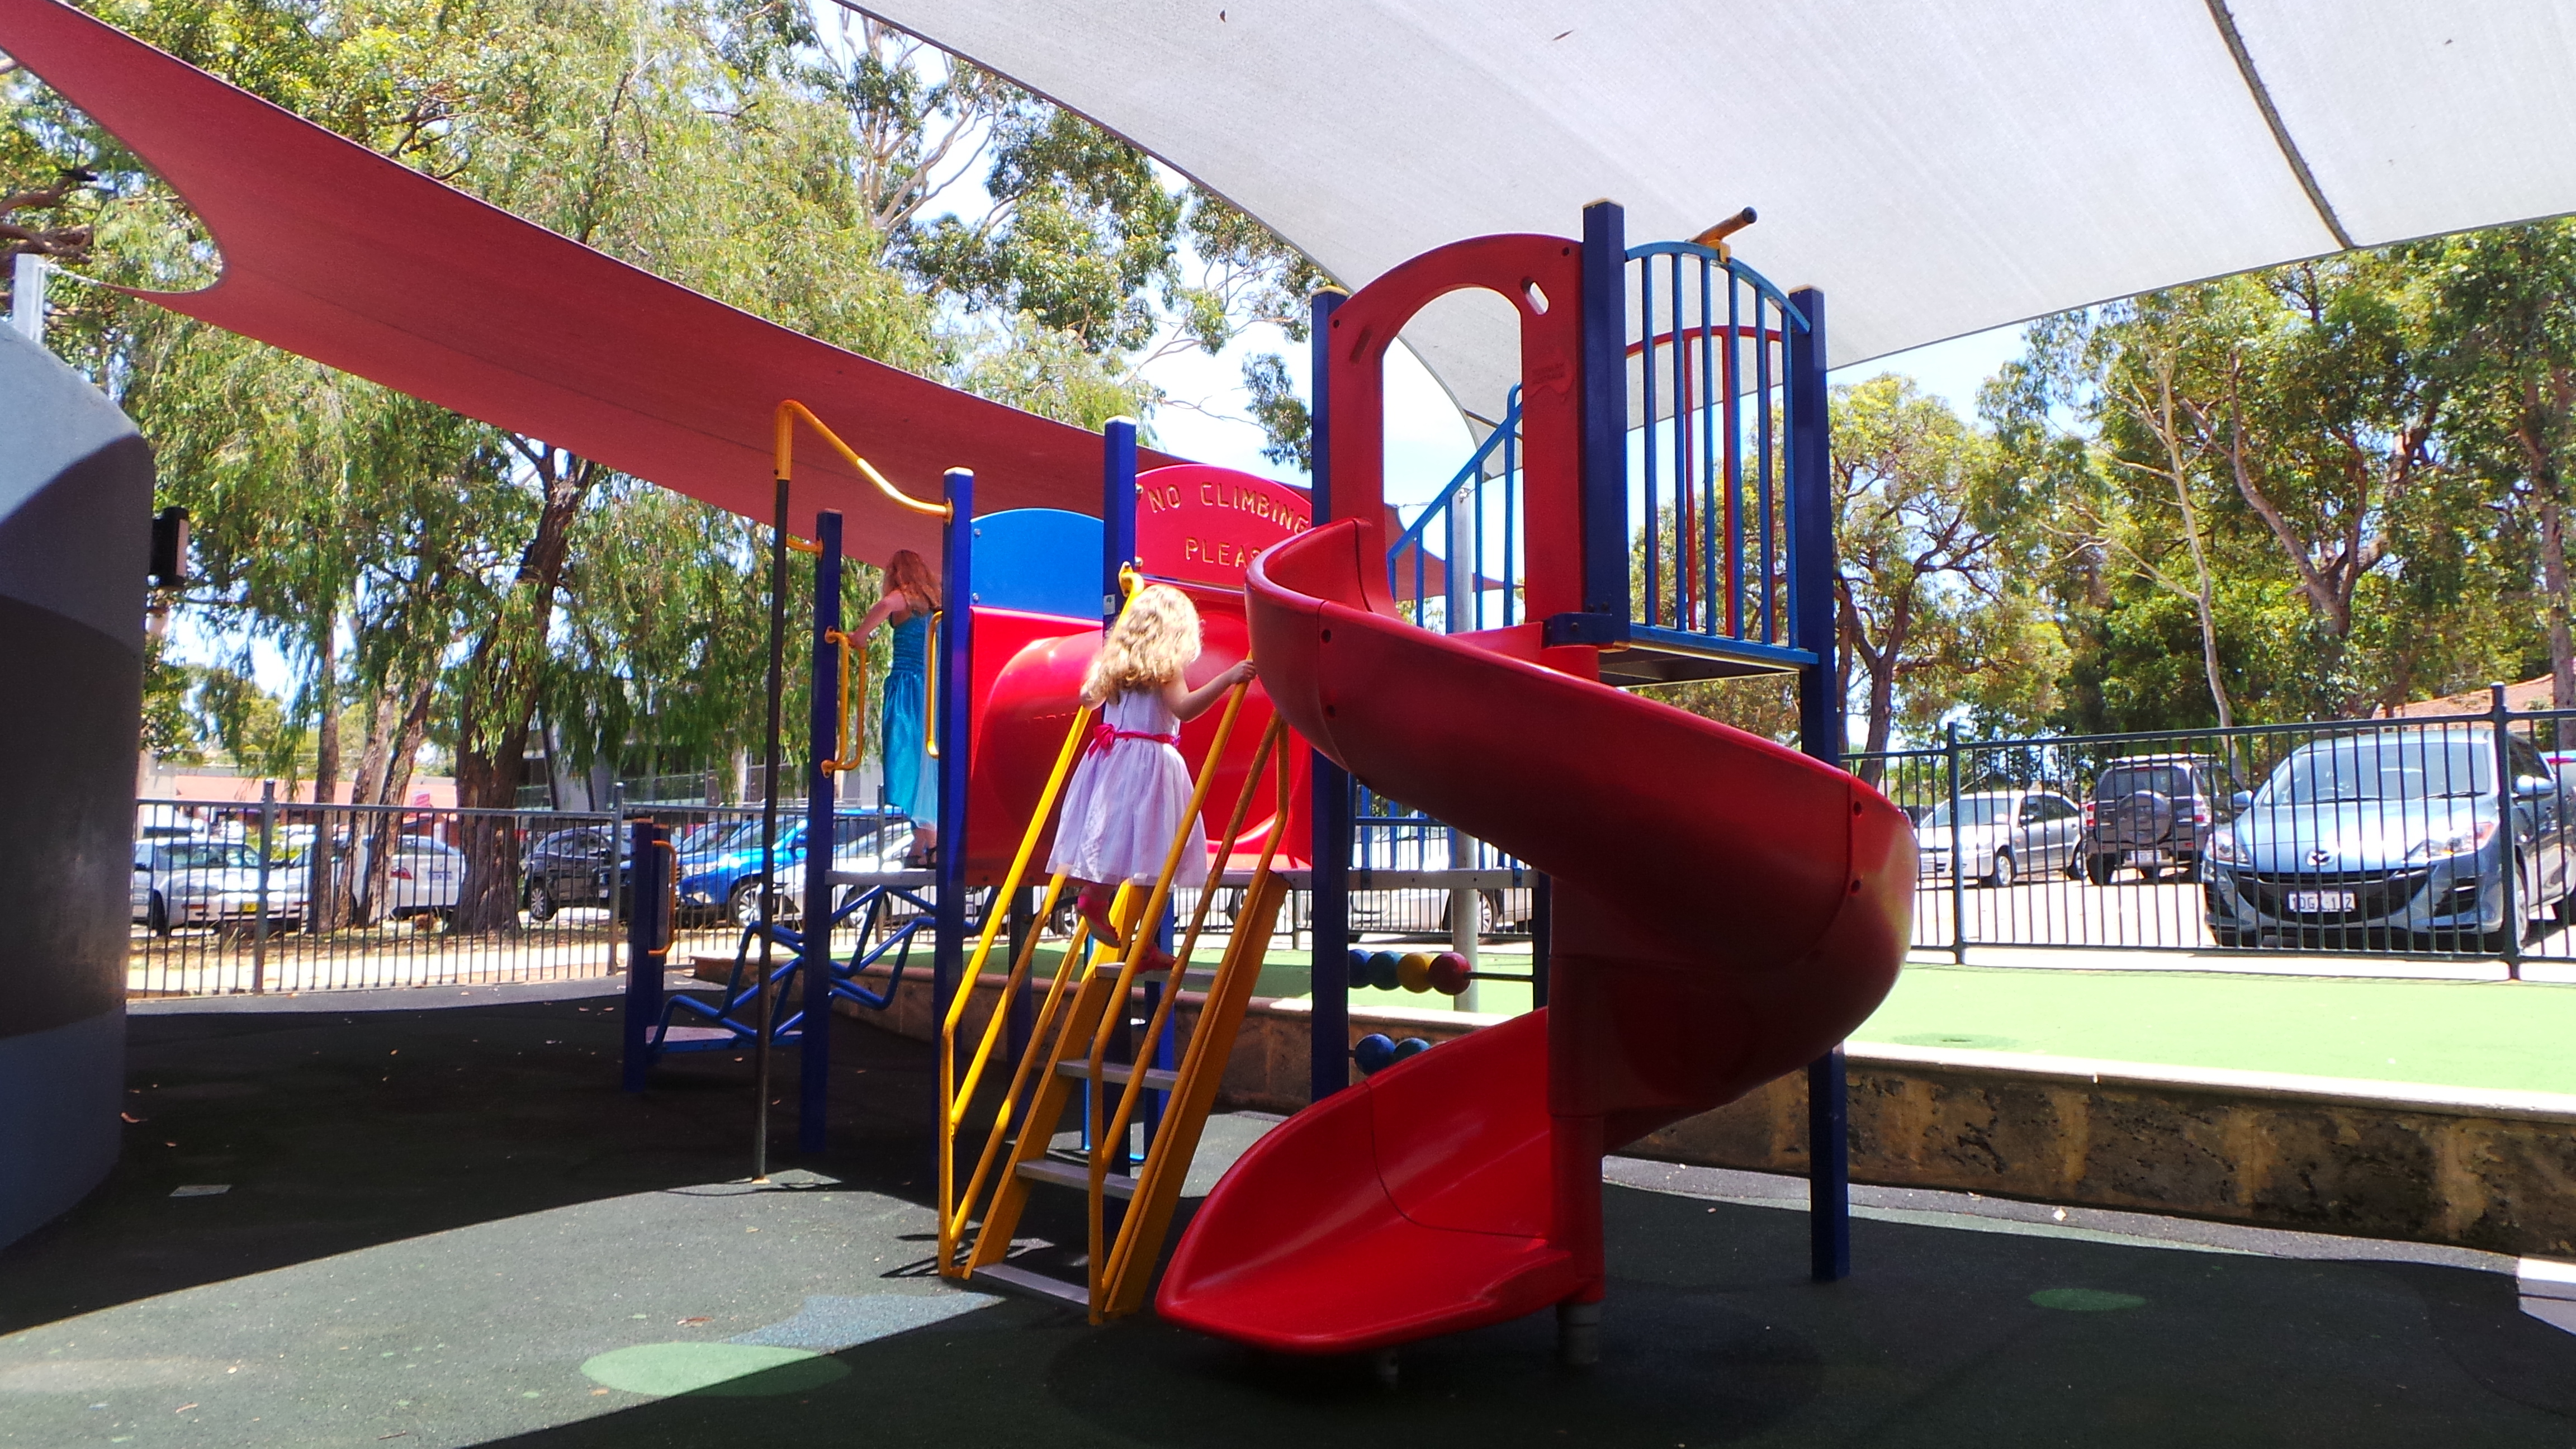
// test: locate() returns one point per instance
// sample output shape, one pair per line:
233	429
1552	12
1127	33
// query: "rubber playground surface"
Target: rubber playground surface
448	1227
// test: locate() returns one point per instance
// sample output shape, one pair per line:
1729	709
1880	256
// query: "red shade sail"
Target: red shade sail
336	253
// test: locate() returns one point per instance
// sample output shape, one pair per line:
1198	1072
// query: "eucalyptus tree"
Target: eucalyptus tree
1930	605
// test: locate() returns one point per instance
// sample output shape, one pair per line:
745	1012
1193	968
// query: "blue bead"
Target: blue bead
1375	1053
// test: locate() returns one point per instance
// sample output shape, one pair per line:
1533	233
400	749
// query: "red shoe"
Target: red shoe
1093	906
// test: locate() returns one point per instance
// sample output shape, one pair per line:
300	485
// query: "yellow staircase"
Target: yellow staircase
1066	1065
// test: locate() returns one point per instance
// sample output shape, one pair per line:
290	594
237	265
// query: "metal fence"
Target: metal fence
284	896
2381	837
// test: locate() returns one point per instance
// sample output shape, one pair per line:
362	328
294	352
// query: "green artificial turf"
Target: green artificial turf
2512	1035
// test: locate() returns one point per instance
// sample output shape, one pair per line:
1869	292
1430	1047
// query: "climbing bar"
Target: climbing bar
1139	941
791	410
955	1094
845	753
1158	1156
930	687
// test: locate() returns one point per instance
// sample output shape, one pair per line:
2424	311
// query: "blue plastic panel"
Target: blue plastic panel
1041	560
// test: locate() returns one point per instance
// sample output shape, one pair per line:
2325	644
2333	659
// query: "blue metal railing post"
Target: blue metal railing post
956	660
1117	551
1328	799
1605	412
1812	626
823	730
1117	510
647	937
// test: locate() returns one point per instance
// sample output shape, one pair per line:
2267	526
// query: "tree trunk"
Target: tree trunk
2553	578
318	894
502	682
394	734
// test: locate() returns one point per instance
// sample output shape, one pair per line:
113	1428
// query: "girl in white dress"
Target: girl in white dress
1131	788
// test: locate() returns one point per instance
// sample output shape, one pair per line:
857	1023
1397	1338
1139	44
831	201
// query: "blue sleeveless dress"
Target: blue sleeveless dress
911	784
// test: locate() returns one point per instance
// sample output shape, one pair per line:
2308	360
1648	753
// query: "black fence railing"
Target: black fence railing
284	896
2442	837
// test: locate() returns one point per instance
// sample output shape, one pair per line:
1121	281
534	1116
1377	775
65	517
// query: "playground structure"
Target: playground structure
1740	587
1462	1185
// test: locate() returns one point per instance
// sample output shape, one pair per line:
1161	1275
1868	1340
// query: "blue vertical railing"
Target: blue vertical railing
1708	363
1463	527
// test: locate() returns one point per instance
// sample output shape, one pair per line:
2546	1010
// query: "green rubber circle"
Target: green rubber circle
718	1370
2086	1300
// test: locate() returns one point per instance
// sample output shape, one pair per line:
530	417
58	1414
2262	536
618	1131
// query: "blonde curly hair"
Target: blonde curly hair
1155	638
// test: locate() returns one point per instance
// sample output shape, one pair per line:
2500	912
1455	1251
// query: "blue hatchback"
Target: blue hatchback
2391	837
725	876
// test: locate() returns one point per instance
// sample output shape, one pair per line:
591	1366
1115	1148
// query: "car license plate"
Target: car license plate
2317	903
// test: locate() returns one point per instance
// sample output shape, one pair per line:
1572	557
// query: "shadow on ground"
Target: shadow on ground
450	1227
344	1130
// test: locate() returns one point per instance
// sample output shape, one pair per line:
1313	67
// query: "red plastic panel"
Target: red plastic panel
1028	696
1541	277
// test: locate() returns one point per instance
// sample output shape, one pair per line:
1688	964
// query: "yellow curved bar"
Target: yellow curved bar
845	755
930	689
784	444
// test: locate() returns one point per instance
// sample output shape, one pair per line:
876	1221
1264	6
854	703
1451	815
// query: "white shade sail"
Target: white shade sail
1937	167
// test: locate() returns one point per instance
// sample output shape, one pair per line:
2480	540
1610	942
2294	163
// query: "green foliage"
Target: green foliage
1284	418
444	582
1933	594
2308	492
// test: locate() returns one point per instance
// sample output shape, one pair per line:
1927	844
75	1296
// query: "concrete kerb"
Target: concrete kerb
2488	1170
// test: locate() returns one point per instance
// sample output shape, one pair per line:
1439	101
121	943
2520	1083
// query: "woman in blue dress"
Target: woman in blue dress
911	785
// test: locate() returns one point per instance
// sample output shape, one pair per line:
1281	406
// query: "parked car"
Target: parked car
2393	833
2155	813
878	846
571	868
725	881
426	878
2004	835
210	882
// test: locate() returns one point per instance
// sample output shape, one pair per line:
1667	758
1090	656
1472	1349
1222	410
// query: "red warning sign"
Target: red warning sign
1204	524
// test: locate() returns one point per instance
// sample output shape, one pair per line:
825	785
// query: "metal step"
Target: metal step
1076	1176
1117	1074
1077	1294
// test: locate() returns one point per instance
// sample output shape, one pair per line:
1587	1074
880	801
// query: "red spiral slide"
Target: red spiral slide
1726	911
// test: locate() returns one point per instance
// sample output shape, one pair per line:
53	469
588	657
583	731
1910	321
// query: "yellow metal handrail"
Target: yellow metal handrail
1138	941
1156	1160
784	447
954	1097
930	688
845	754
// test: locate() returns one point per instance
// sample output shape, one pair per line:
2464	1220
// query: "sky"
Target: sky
1426	439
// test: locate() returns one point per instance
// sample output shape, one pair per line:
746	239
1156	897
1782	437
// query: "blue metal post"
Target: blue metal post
1328	791
1117	550
814	1044
956	658
648	902
1820	733
1605	412
1117	511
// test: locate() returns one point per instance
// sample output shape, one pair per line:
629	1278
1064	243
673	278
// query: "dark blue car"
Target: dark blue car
725	876
2393	837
